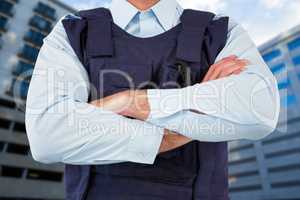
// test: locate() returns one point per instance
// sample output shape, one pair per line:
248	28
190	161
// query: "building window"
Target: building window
284	84
29	53
288	100
6	8
17	149
45	11
271	55
277	68
34	37
40	23
18	88
295	44
21	68
1	146
296	60
8	171
1	41
44	175
3	23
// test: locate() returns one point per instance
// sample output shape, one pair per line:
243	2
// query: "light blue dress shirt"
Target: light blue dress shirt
63	127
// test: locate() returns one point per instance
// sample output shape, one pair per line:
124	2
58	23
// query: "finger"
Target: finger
242	62
230	70
216	72
225	68
238	71
208	74
233	66
231	57
220	67
226	60
214	66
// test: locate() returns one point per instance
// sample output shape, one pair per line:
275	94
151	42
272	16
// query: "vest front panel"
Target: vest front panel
117	61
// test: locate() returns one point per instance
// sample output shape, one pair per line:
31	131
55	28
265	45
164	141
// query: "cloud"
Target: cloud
210	5
88	4
272	19
263	19
271	4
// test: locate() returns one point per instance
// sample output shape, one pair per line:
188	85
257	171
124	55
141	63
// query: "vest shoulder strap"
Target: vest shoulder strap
90	33
201	32
96	13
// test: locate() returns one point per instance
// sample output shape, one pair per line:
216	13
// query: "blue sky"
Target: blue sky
263	19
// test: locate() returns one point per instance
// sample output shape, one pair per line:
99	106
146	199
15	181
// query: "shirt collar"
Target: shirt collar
122	12
165	11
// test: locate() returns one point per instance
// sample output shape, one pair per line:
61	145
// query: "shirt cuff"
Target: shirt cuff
165	102
144	146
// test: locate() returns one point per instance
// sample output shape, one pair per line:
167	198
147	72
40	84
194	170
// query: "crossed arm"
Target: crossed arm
62	126
134	103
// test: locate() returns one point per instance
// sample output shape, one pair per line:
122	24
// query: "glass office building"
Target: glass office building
268	169
23	25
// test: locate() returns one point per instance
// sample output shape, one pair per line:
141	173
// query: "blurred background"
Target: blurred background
268	169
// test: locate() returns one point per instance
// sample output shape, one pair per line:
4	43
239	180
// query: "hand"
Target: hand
226	67
131	103
123	102
172	141
139	107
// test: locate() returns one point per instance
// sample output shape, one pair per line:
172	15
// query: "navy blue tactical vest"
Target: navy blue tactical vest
197	170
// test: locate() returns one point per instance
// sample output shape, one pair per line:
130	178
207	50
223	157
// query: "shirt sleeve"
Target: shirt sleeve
63	127
249	102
